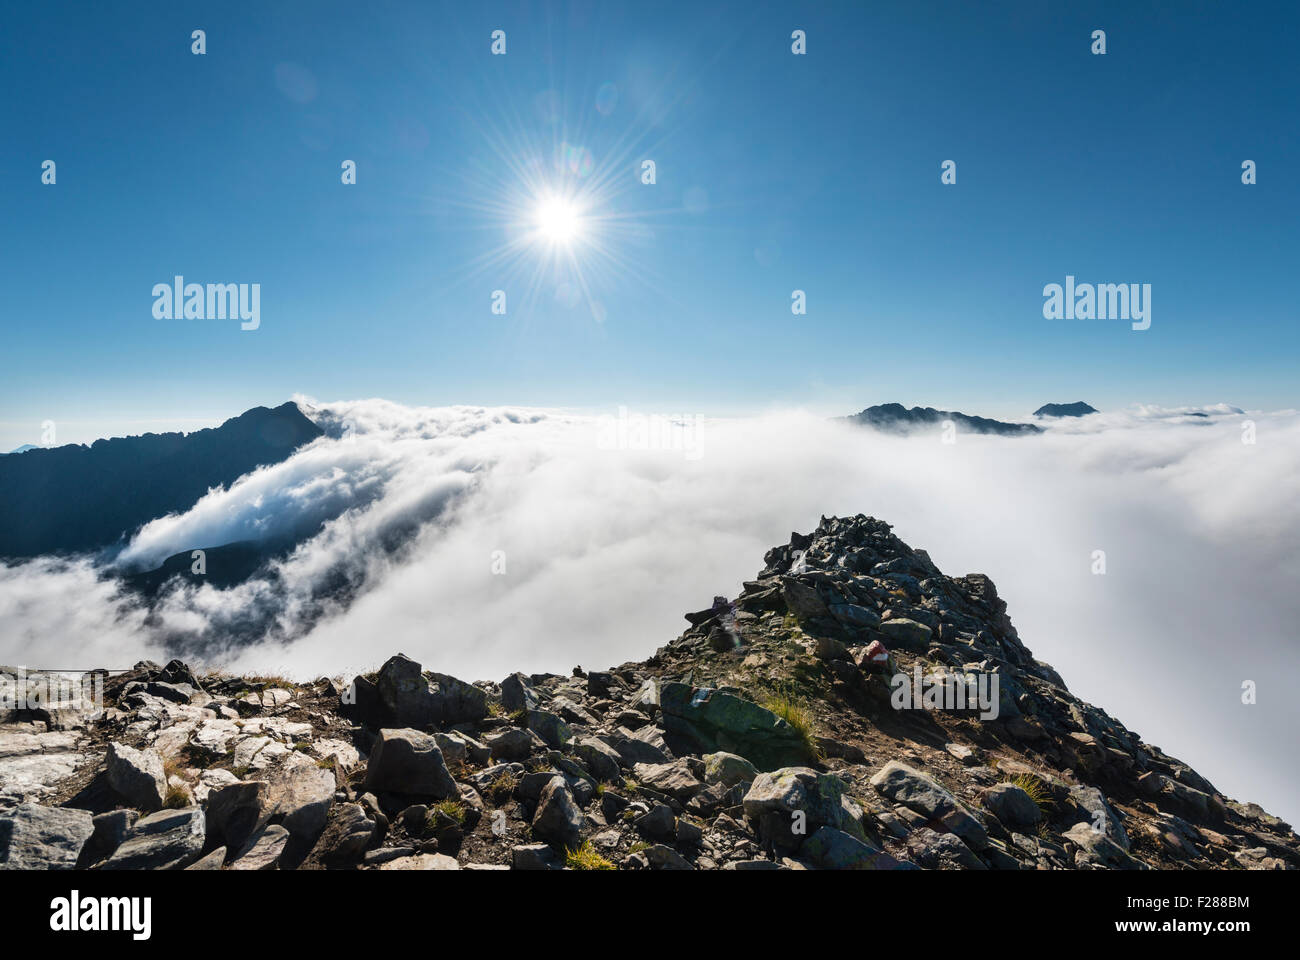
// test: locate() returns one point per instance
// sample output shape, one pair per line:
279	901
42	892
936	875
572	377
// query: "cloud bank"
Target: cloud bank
481	541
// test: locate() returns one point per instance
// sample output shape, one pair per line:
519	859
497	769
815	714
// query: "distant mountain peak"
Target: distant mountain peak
79	498
895	418
1076	409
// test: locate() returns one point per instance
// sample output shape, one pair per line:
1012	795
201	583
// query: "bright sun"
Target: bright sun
558	221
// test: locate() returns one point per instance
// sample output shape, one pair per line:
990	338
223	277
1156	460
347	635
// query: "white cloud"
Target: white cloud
605	549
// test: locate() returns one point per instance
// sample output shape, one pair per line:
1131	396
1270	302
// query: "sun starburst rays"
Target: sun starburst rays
564	218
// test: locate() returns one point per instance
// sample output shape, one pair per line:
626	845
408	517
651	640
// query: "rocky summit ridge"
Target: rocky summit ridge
853	708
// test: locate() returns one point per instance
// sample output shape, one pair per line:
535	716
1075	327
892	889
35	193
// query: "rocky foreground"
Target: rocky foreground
772	734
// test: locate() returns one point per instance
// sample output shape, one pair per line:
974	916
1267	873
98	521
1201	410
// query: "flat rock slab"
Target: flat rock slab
33	837
214	736
925	795
258	753
300	794
167	840
674	778
263	850
937	851
422	861
24	741
344	754
36	776
33	762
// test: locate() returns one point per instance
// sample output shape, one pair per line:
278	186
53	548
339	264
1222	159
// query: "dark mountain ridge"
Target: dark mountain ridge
79	498
895	418
1077	409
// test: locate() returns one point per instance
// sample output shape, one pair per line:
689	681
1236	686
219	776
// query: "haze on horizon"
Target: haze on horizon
17	434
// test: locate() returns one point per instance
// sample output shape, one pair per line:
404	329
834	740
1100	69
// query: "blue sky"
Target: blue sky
775	172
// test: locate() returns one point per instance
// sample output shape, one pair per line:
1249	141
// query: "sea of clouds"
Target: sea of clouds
609	529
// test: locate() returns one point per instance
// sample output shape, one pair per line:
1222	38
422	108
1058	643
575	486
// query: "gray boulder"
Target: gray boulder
404	691
263	850
299	795
1091	805
658	823
663	857
136	776
786	805
411	697
517	694
235	812
906	634
532	784
712	720
571	712
646	698
533	856
1012	806
514	743
558	820
347	835
674	778
457	701
802	600
409	763
458	747
210	861
33	837
422	861
1095	847
936	851
853	615
832	849
601	760
644	745
111	828
550	728
167	840
925	795
728	769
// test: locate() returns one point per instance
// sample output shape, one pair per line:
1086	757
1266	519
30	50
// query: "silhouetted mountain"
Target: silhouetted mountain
223	566
895	418
1079	409
23	449
77	498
